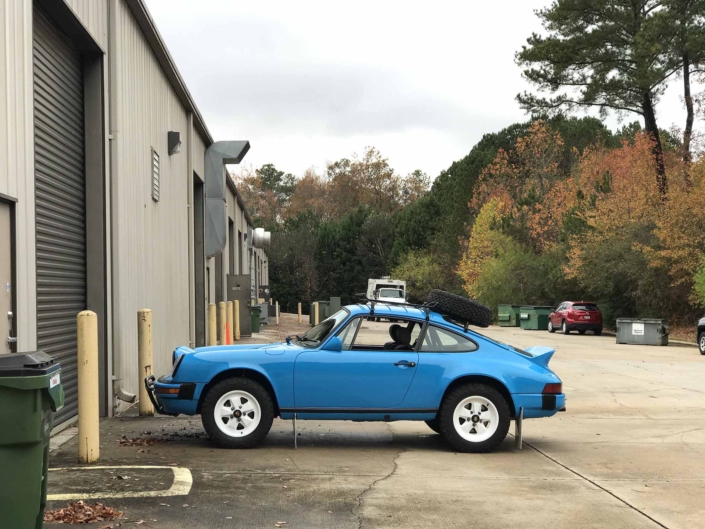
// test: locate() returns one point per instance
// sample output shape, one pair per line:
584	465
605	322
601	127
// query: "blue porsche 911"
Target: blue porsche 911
368	362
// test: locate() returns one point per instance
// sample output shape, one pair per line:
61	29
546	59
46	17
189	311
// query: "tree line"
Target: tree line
550	209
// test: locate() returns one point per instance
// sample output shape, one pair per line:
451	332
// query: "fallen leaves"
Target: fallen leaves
79	512
141	441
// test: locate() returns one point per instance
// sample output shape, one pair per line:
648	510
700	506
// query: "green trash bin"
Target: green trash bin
508	315
534	318
254	315
30	392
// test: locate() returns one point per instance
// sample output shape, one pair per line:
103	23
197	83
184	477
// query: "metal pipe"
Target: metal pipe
277	312
212	325
299	312
144	359
315	313
88	392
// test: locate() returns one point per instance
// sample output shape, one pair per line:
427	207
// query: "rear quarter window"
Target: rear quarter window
437	340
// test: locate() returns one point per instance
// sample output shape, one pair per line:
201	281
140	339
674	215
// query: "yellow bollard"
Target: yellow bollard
230	329
315	313
144	359
237	319
88	397
222	319
299	312
212	326
277	313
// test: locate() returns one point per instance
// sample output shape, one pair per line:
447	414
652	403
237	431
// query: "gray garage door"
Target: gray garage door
60	200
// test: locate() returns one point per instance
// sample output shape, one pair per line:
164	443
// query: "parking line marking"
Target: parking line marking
183	481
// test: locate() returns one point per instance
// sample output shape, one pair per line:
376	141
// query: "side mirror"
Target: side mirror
334	344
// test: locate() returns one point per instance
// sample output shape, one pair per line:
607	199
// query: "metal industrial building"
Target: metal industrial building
113	194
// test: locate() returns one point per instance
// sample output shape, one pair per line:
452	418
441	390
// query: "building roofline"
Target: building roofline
154	38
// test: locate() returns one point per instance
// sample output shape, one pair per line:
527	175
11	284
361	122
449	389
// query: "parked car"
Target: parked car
368	362
578	316
701	335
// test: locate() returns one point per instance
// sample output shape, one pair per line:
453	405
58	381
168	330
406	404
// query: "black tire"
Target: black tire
564	328
451	401
215	434
701	342
581	331
433	425
551	328
460	308
598	332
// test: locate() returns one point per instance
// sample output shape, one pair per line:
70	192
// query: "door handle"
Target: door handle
405	363
11	339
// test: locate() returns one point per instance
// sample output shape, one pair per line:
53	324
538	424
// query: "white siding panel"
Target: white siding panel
151	239
17	154
93	14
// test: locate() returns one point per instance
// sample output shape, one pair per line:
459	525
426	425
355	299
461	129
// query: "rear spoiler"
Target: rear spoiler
541	354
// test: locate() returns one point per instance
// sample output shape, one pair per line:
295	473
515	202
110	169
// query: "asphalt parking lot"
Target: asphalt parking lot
628	453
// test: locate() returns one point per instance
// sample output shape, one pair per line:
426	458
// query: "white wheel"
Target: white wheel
237	413
702	343
550	326
475	419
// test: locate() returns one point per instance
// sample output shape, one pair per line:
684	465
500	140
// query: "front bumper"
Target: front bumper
173	398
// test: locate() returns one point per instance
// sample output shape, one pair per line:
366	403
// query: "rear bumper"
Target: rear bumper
539	405
173	398
583	326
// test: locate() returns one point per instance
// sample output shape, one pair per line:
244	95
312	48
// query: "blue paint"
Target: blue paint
324	377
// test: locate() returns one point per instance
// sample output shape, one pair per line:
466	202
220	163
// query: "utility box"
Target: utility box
334	306
264	313
649	331
534	318
508	315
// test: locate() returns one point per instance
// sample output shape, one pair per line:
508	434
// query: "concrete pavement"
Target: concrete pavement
628	453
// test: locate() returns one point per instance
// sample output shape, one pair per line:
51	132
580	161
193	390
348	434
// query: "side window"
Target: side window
348	333
439	340
386	334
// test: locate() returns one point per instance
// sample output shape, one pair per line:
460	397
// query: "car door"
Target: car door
363	376
557	316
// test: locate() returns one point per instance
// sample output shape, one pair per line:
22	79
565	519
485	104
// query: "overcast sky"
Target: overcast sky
308	82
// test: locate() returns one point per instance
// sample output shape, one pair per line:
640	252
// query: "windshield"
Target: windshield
320	332
391	293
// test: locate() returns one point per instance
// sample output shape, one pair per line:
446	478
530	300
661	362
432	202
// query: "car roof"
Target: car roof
402	311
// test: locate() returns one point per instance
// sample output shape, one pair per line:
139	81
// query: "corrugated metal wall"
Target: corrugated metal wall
150	261
17	154
94	16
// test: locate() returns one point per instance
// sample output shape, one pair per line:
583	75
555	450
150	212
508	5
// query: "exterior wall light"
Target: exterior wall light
174	142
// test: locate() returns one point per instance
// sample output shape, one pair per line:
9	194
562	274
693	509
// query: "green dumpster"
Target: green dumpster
534	318
30	391
254	315
508	315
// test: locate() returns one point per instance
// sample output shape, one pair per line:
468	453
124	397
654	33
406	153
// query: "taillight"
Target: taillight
553	389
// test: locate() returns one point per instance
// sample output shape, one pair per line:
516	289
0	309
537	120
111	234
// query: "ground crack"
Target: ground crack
359	497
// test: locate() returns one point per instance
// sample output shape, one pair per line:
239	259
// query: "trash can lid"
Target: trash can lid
30	364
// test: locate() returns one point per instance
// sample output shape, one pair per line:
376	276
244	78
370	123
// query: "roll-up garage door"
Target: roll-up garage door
60	200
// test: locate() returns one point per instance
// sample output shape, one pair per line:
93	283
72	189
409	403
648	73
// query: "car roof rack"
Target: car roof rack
426	307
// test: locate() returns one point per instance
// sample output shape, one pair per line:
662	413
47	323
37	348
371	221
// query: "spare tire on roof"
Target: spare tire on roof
460	308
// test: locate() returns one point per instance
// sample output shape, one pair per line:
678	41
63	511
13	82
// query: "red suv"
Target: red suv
576	315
